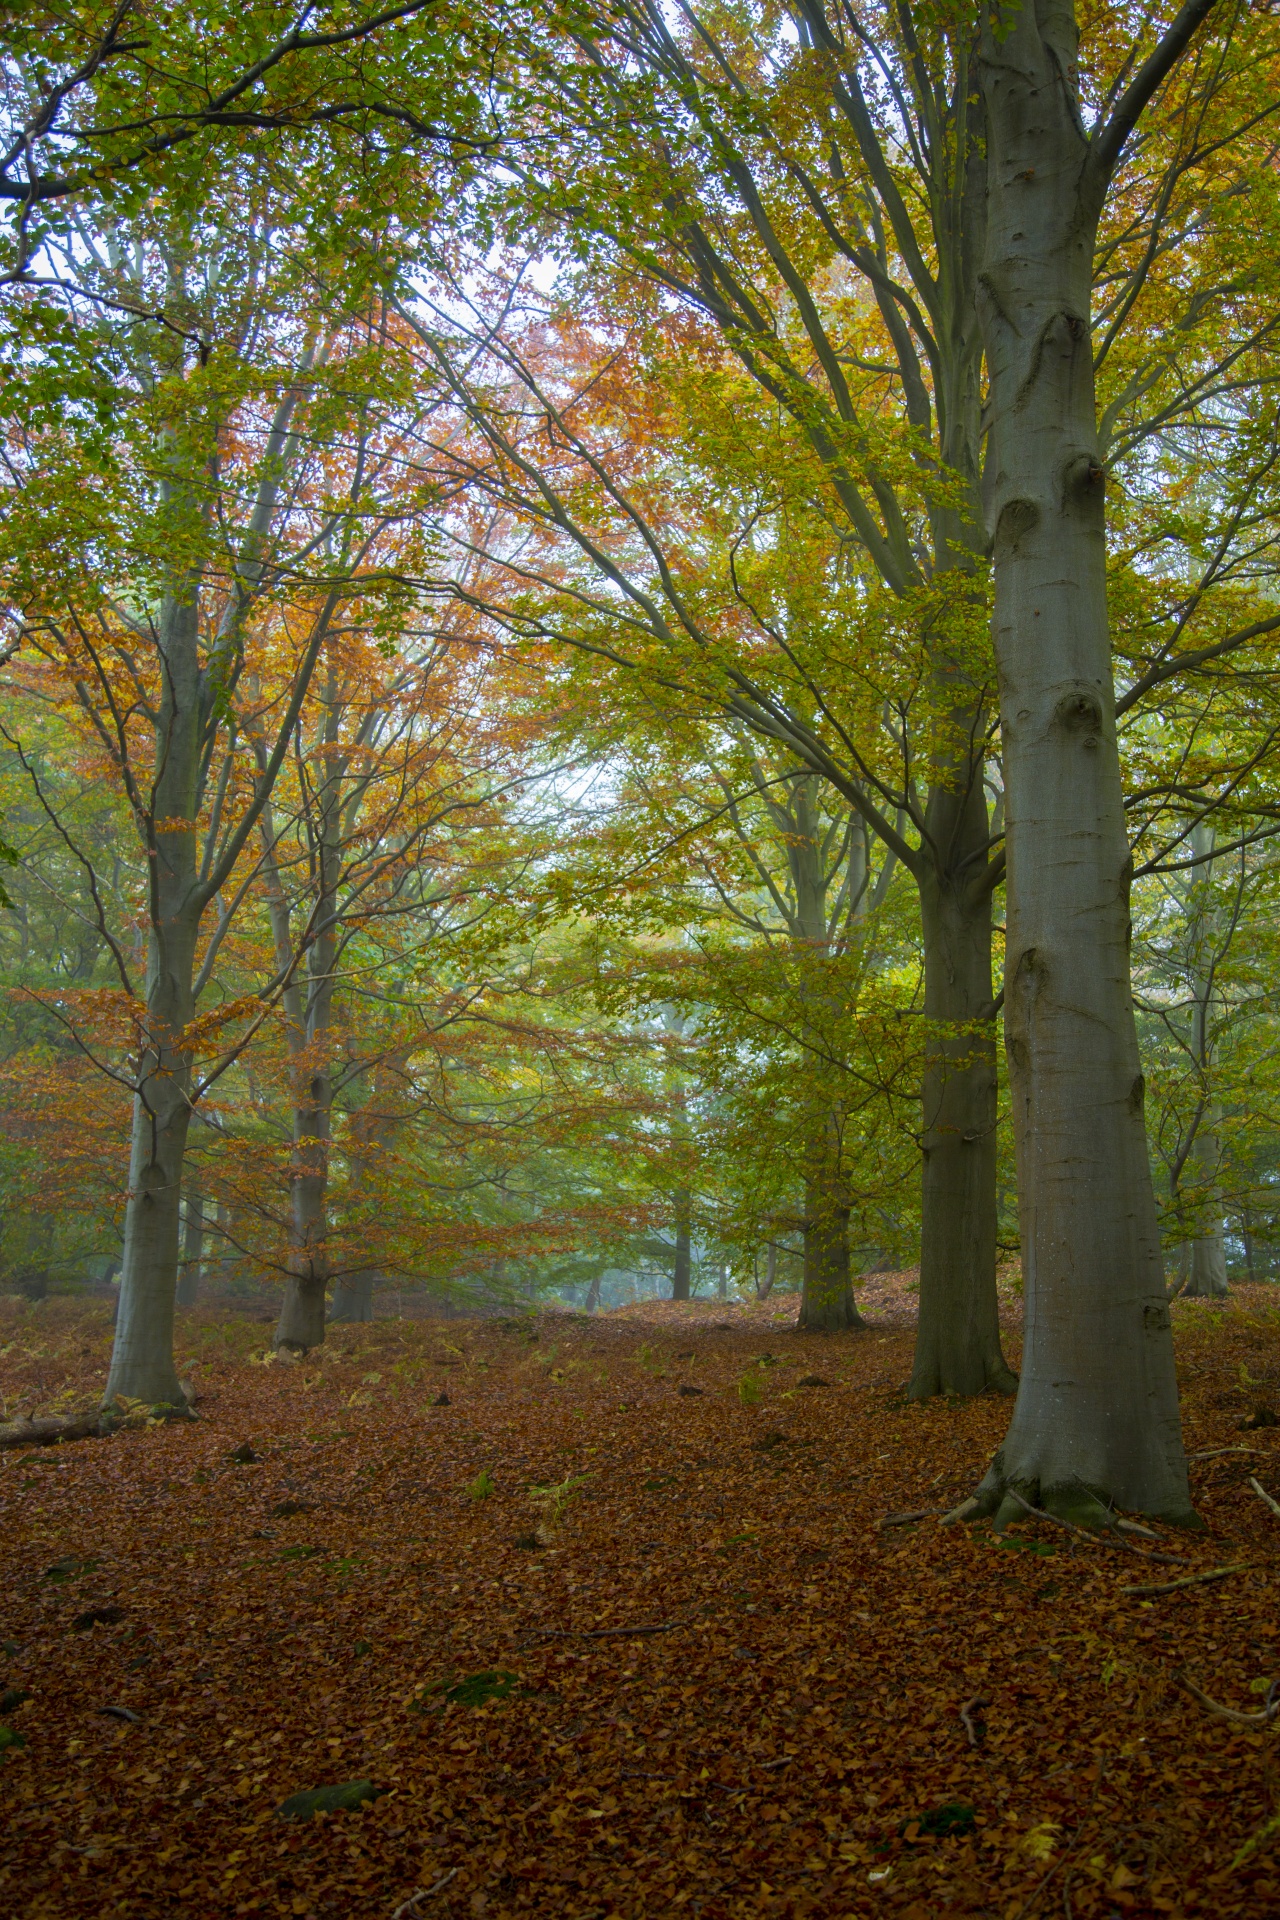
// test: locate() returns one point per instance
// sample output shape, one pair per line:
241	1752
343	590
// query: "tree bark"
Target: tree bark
302	1310
683	1261
958	1336
1096	1418
353	1296
826	1303
32	1277
142	1359
188	1288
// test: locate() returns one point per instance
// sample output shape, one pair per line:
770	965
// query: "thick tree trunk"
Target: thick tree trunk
1207	1260
958	1337
353	1296
1096	1418
188	1289
683	1261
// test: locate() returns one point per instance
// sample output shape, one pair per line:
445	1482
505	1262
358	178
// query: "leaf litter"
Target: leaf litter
741	1668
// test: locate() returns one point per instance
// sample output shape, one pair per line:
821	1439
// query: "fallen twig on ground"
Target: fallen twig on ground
1263	1717
598	1633
903	1519
1264	1495
1190	1579
974	1727
410	1910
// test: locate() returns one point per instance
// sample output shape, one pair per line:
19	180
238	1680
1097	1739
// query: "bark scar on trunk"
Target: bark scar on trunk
1017	518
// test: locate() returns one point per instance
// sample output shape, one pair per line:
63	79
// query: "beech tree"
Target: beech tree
171	586
401	756
994	255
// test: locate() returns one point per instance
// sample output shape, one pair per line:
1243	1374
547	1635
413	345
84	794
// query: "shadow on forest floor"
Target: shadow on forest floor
691	1672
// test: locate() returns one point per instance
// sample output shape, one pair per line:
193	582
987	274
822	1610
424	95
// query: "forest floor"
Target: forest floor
720	1686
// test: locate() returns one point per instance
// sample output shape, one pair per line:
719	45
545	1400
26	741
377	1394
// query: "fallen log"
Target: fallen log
51	1428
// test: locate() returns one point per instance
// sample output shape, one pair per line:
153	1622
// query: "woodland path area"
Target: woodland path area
791	1743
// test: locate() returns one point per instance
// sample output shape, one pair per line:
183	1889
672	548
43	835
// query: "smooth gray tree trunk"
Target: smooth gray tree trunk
1096	1418
142	1366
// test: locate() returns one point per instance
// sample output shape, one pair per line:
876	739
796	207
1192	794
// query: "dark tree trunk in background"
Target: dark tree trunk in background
353	1296
683	1262
188	1288
958	1338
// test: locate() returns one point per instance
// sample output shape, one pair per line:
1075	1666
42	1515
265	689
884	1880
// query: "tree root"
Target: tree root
967	1510
1145	1553
1262	1718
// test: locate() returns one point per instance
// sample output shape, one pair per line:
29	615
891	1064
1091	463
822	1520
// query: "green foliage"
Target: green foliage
553	1501
474	1690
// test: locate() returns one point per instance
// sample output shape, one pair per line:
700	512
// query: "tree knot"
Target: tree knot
1080	711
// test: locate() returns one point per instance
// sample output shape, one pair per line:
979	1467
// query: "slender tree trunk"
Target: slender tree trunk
302	1310
592	1302
353	1296
1207	1253
142	1359
188	1288
683	1262
770	1273
1246	1234
301	1324
33	1275
1096	1418
958	1337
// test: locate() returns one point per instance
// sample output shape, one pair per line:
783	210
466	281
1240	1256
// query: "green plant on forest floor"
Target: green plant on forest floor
552	1502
